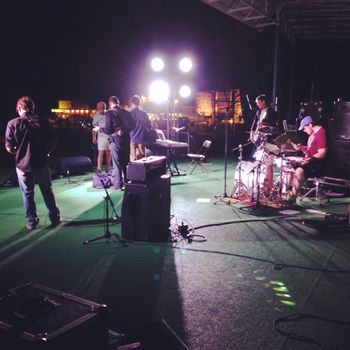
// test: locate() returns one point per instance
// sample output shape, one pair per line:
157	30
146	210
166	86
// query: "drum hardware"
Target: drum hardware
270	130
280	183
258	170
238	186
285	141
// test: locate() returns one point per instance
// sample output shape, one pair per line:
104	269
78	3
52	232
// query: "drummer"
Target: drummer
315	152
265	117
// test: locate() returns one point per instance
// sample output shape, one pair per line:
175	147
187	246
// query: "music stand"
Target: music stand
108	234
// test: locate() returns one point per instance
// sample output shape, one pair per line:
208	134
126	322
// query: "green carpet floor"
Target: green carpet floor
224	293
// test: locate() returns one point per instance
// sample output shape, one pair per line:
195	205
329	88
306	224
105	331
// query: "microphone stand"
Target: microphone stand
69	181
108	235
220	198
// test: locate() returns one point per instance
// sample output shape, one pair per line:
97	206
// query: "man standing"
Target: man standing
101	139
30	138
138	134
315	152
264	117
117	121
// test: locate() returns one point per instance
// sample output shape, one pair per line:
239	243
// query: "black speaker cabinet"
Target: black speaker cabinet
341	123
339	156
35	317
75	165
146	210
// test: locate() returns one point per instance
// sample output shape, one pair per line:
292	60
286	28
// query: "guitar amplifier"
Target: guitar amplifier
35	317
146	169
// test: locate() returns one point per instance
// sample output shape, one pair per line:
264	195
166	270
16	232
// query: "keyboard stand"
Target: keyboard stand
171	162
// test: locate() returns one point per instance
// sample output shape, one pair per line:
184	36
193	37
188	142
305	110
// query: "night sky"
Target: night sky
80	50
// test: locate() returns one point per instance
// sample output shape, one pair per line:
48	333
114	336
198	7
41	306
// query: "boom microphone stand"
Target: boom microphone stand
108	235
220	198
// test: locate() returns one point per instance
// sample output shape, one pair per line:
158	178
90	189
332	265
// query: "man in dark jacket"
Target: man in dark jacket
138	134
30	138
264	117
118	123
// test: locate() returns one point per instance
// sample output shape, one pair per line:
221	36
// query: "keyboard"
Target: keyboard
171	144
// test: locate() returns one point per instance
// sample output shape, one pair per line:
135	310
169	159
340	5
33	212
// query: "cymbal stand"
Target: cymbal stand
237	188
108	235
279	183
257	203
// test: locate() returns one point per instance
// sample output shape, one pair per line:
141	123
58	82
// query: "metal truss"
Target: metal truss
298	19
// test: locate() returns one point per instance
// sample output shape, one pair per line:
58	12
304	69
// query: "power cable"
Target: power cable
302	338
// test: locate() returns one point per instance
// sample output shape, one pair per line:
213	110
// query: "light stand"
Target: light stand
108	235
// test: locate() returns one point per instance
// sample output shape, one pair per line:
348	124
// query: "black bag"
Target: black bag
151	137
102	181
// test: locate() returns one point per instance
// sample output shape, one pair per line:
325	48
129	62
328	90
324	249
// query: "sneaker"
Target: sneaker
56	221
32	225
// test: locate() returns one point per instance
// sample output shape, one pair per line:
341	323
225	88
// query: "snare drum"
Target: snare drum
287	161
249	177
260	154
291	161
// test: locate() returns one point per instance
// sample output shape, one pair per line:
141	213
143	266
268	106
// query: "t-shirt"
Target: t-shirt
316	141
99	120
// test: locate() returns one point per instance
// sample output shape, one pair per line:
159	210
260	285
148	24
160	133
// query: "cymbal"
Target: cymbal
284	141
270	130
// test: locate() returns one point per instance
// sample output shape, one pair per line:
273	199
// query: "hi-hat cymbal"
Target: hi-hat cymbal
285	141
272	130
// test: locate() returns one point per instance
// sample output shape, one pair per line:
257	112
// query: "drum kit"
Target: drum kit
255	179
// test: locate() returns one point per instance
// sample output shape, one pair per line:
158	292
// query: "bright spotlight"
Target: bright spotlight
157	64
185	64
185	91
159	91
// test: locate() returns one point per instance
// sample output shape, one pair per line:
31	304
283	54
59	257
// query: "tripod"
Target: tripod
69	181
220	198
107	235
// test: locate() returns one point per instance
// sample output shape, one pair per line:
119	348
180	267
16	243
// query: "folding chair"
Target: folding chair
198	158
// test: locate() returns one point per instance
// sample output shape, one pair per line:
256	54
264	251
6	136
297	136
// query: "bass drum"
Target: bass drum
249	181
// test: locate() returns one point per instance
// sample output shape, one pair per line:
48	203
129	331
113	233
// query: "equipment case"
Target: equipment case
34	317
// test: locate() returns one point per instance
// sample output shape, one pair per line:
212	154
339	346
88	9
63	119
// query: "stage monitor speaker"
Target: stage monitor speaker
339	156
75	165
341	122
146	210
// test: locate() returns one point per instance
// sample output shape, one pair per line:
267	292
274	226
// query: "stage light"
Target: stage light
185	64
185	91
159	91
157	64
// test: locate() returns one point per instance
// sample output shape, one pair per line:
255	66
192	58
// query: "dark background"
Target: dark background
80	50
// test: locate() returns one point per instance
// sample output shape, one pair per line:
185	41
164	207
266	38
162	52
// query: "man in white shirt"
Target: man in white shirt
101	139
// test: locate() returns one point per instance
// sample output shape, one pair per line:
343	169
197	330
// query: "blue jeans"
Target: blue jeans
26	182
